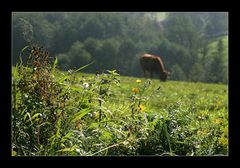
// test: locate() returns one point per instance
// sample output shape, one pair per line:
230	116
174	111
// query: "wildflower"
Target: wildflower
90	114
155	117
138	81
135	90
225	131
94	114
141	108
223	140
202	132
197	146
85	85
217	121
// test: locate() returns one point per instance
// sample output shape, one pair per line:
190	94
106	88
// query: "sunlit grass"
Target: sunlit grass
140	117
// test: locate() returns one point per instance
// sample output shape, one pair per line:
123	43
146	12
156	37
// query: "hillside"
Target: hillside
213	48
74	94
113	40
107	114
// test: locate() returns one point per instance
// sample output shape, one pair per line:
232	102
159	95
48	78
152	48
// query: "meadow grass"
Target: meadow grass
198	109
74	113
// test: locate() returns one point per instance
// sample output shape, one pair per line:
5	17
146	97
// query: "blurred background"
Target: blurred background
193	45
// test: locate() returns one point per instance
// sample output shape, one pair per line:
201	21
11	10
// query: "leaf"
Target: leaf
15	71
44	124
93	125
65	150
83	67
23	111
75	88
14	153
54	66
24	48
52	140
67	76
66	137
27	115
80	114
64	78
20	57
100	99
20	64
35	115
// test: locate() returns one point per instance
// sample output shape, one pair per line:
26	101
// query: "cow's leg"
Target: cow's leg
151	74
144	73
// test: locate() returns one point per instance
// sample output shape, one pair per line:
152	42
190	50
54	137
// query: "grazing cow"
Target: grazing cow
153	64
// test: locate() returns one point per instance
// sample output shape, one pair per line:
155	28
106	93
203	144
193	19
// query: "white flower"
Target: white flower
90	114
78	150
85	85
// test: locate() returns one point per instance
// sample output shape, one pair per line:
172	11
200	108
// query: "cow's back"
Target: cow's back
149	63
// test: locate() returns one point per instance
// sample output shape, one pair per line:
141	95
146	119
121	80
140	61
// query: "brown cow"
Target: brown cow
153	64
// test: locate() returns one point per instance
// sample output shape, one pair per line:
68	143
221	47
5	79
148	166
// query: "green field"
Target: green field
58	109
107	114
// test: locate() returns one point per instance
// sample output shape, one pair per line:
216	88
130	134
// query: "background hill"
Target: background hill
193	45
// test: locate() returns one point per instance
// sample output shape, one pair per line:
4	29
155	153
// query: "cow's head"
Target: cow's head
163	76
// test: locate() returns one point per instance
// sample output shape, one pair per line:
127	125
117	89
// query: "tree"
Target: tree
197	73
218	69
216	24
19	42
64	61
180	30
127	56
78	56
114	39
177	73
113	24
92	45
92	28
106	54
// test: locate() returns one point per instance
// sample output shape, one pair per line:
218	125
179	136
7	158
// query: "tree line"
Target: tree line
190	44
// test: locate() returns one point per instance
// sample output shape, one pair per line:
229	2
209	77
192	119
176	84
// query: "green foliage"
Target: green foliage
78	55
38	102
198	73
72	113
216	24
114	39
219	71
177	73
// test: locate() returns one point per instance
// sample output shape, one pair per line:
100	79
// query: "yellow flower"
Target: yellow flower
138	81
135	90
223	140
141	108
217	121
225	131
202	132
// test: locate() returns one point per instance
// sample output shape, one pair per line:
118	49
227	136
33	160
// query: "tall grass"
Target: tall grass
72	113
